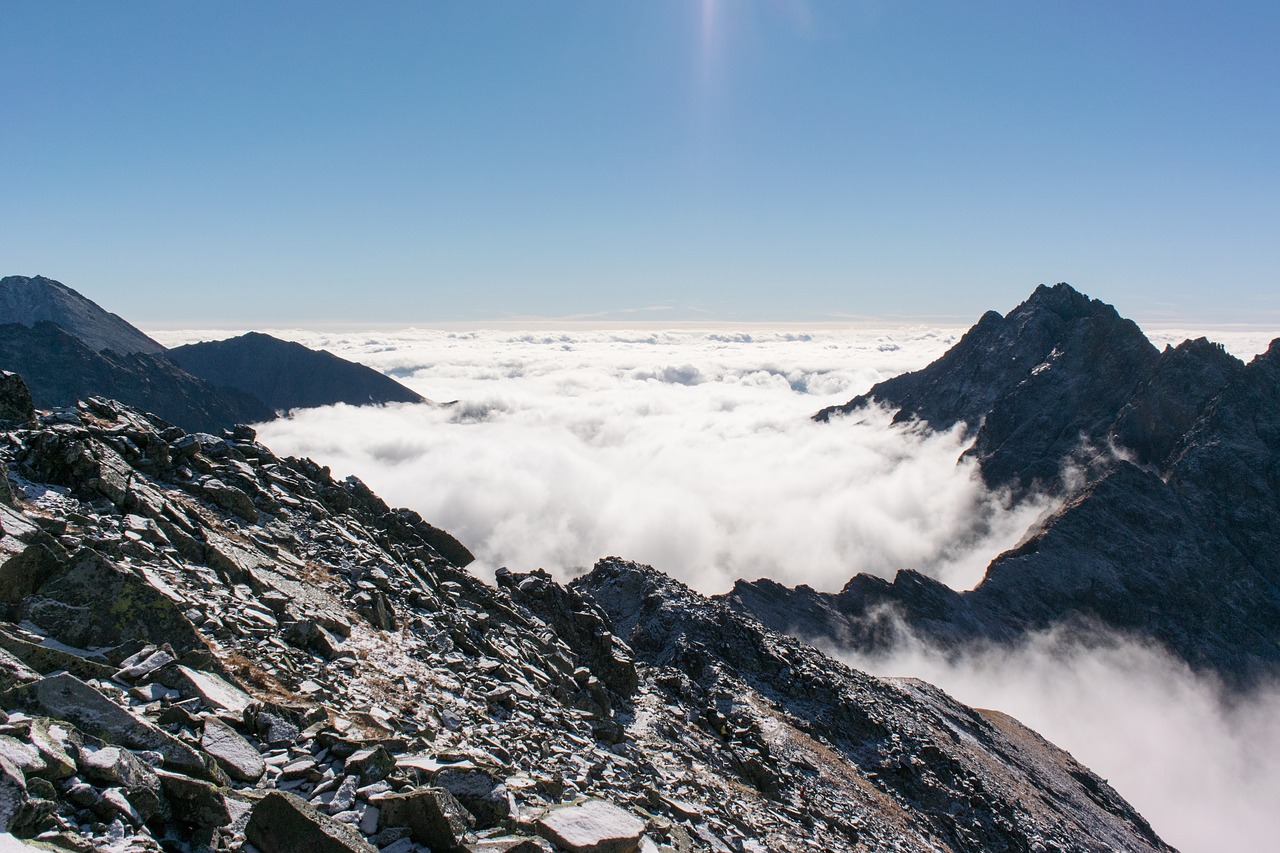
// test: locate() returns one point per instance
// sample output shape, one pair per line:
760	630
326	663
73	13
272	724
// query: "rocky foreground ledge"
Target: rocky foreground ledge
207	647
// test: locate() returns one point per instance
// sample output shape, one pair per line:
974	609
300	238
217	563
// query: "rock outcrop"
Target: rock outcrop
276	657
1174	535
286	375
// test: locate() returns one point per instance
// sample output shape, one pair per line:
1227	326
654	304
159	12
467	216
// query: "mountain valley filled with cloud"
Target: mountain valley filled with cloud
694	451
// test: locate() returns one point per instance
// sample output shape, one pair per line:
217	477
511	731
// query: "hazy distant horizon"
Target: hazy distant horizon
1242	339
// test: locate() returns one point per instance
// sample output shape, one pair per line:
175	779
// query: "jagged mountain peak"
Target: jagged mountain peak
1172	533
1063	300
29	300
1028	385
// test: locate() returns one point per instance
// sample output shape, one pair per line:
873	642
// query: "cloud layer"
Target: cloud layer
692	451
1203	767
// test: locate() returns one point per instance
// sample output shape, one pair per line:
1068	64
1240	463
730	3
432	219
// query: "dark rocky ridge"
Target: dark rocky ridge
202	643
30	300
1175	535
1029	386
60	369
68	348
286	375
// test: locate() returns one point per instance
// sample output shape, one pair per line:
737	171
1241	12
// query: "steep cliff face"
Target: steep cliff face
1175	534
204	644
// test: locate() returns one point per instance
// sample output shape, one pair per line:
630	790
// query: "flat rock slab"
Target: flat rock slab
66	697
233	753
506	844
595	826
214	691
285	823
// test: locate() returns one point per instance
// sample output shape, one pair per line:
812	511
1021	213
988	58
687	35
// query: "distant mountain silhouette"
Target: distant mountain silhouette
29	300
60	369
1174	535
286	375
67	348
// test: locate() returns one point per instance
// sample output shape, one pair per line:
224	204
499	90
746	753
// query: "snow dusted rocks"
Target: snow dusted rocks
284	823
182	674
234	754
595	826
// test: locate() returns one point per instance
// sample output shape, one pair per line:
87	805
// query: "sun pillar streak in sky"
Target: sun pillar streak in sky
707	45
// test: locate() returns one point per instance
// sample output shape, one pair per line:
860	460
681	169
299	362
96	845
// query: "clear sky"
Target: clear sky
725	159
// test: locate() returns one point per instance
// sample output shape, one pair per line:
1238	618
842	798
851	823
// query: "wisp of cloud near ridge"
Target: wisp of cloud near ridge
1202	765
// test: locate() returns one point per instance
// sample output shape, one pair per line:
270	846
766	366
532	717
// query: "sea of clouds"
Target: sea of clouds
693	450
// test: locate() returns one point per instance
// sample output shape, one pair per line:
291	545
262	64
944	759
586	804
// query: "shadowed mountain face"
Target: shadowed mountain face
1175	534
1029	385
28	301
68	348
201	640
60	369
287	375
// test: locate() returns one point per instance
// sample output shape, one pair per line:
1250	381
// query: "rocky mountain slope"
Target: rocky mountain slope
1174	535
61	369
286	375
67	348
30	300
206	647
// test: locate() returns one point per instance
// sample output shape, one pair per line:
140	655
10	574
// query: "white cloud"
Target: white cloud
689	450
693	451
1201	765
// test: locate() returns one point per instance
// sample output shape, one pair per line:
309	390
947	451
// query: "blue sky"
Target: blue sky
730	160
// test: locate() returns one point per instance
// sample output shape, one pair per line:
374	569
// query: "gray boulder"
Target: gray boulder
285	823
433	815
13	793
595	826
234	754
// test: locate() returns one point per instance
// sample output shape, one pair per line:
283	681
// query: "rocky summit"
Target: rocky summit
1167	465
205	647
1037	387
